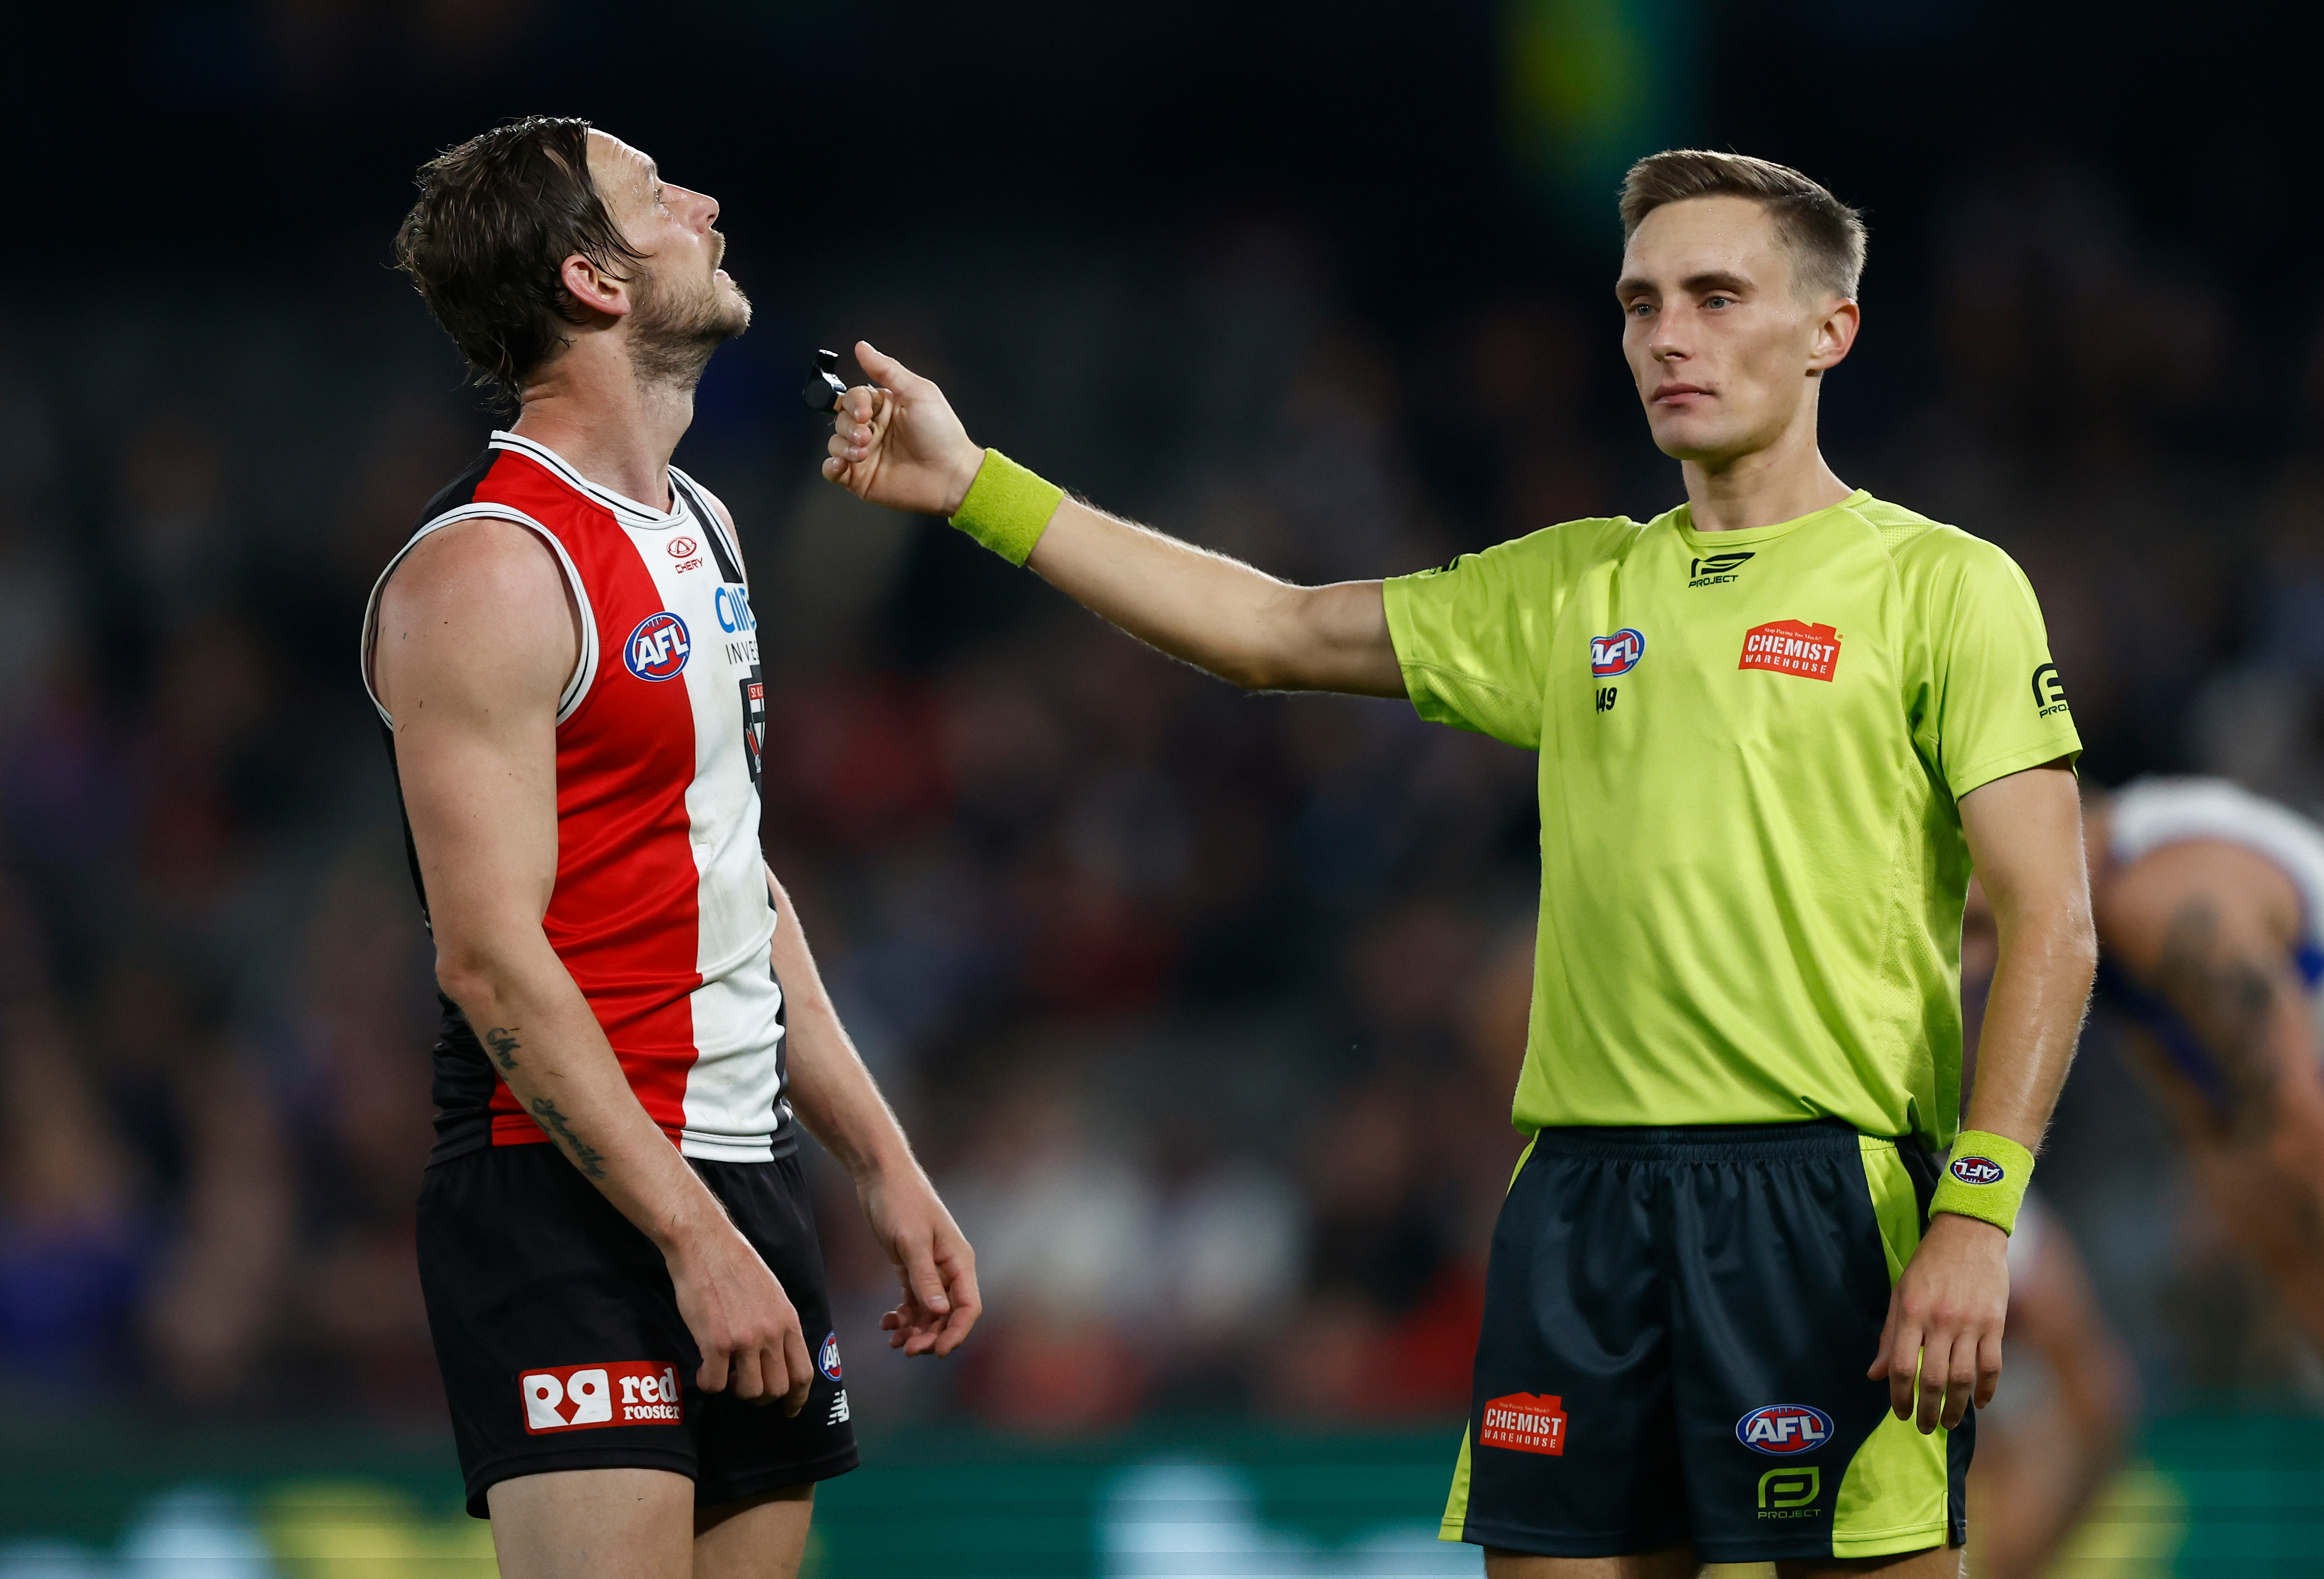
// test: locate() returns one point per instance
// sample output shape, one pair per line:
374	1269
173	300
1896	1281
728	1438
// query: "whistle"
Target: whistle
823	388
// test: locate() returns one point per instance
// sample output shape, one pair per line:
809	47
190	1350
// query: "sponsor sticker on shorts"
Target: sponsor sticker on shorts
1977	1170
577	1398
1783	1429
1525	1422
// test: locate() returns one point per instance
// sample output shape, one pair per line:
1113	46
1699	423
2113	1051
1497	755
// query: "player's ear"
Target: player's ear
594	290
1835	336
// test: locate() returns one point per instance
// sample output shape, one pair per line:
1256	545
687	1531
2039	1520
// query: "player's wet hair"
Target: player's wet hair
497	217
1824	233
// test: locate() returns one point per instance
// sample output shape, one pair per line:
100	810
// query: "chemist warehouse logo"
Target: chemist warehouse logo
576	1397
1525	1422
1792	647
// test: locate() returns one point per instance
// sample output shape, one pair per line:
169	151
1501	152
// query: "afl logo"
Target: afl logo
1616	654
658	649
827	1359
683	548
1977	1170
1782	1429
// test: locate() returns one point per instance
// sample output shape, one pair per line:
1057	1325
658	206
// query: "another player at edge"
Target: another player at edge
1775	726
616	1241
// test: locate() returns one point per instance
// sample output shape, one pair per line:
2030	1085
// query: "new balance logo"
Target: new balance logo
838	1415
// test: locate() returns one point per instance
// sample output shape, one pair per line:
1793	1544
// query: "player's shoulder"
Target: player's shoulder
1552	550
1923	546
483	558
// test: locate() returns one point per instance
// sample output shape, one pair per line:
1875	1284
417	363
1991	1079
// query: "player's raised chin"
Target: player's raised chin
1727	339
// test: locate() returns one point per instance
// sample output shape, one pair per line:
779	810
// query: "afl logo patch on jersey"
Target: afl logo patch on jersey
659	647
827	1359
1616	654
1977	1170
1782	1429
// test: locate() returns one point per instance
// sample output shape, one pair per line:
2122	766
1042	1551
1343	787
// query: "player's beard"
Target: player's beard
673	330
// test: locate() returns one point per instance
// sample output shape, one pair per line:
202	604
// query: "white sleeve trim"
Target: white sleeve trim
585	667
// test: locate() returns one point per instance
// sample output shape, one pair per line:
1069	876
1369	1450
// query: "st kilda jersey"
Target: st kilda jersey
660	911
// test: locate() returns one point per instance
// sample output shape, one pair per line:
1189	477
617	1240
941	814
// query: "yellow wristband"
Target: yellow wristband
1008	508
1986	1179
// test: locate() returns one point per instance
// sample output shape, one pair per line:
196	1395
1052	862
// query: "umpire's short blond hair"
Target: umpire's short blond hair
1824	233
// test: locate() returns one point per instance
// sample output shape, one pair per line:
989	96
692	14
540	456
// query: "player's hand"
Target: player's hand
896	442
1940	1349
934	1262
741	1321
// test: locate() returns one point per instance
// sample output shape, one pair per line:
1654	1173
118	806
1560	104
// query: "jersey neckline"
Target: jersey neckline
633	512
1683	518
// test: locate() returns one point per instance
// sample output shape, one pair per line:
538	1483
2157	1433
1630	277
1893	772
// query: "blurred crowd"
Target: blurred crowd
1204	1010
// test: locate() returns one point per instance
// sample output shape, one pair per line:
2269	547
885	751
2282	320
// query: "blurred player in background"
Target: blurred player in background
1774	724
616	1241
2210	905
2211	912
2050	1438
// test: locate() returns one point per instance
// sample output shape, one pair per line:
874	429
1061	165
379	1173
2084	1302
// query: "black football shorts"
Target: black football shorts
1677	1325
561	1345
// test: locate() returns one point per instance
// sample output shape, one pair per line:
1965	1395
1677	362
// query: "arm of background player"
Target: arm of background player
477	634
837	1100
1946	1312
2210	927
900	445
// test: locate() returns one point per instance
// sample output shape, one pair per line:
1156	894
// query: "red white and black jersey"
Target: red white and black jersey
660	910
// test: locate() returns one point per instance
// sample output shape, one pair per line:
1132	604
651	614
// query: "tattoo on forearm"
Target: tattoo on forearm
502	1040
586	1157
2226	998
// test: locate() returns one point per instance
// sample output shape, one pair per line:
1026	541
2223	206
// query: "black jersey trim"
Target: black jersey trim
728	555
461	490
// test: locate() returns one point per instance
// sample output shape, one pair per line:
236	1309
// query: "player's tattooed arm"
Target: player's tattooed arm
586	1157
2229	998
502	1040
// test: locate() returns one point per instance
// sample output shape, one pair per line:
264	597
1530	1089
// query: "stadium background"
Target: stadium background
1203	1008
